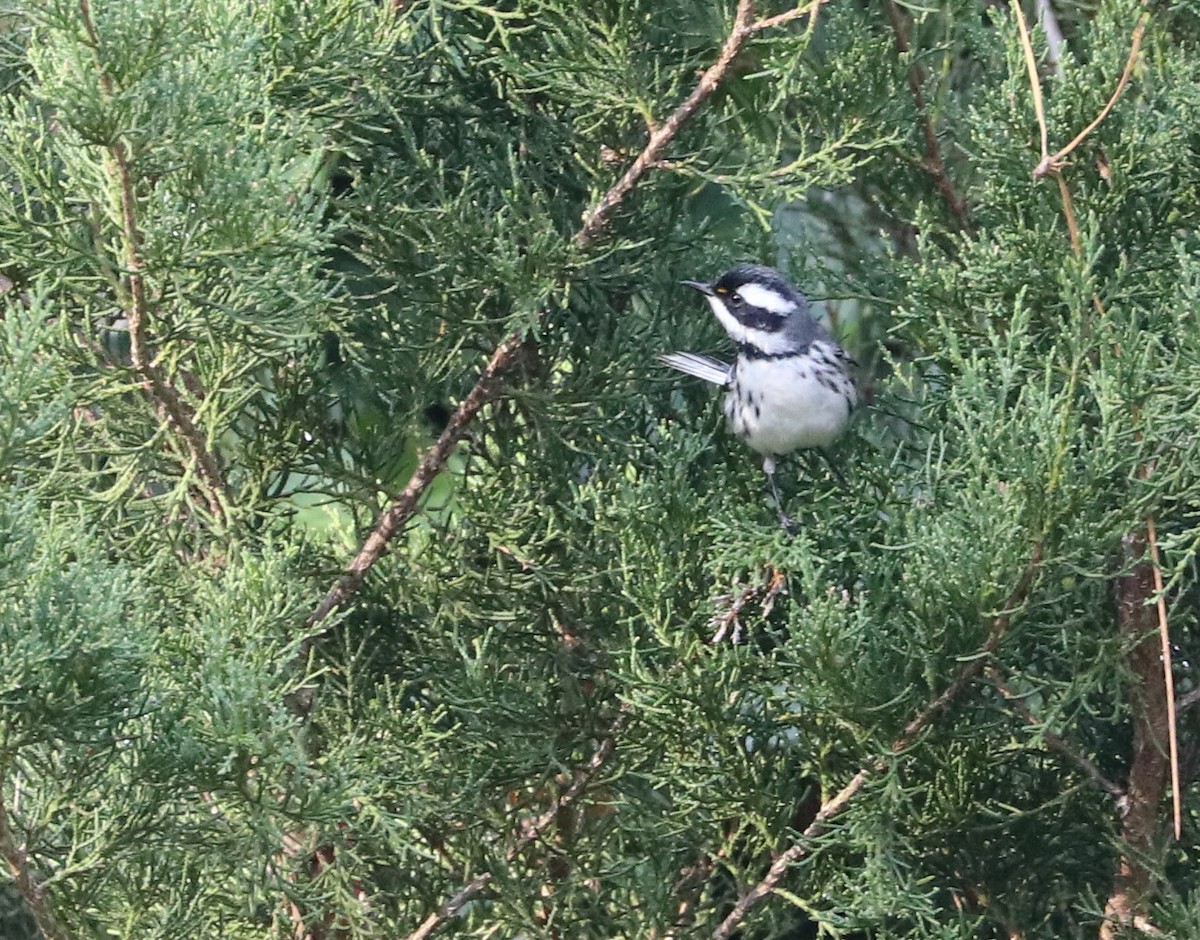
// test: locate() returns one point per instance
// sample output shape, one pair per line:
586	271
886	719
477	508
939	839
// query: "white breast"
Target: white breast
789	403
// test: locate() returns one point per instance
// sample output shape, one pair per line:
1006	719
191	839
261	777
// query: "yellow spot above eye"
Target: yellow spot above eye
722	290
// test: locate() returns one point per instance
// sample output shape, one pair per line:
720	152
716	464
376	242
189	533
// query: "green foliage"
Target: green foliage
337	209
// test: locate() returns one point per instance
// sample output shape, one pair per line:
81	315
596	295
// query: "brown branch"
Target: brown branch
915	726
597	217
155	383
1068	205
1053	741
486	390
531	831
28	882
933	163
782	19
1138	623
727	623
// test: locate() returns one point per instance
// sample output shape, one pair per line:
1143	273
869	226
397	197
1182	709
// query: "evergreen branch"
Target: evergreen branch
531	831
28	882
170	404
1053	741
1053	164
1147	777
921	720
933	164
488	388
743	28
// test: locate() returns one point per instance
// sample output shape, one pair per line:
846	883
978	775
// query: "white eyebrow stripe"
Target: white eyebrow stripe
756	295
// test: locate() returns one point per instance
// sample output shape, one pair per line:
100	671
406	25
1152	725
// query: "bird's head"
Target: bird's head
760	310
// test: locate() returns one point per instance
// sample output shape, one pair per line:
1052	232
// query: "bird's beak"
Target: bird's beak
705	289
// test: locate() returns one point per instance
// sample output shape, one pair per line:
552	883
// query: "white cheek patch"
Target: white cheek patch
736	331
756	295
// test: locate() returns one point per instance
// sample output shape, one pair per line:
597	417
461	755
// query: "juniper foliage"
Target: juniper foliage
252	258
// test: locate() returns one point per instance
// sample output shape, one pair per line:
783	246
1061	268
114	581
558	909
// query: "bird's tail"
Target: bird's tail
702	367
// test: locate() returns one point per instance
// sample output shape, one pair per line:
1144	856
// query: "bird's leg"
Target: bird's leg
784	520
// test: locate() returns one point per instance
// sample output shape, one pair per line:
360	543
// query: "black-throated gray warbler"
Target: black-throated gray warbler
788	386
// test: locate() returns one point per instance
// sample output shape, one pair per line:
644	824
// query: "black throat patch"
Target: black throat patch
748	351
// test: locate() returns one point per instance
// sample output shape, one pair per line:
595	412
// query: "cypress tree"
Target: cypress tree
362	574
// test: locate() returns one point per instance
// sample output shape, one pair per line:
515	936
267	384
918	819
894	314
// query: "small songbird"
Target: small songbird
789	387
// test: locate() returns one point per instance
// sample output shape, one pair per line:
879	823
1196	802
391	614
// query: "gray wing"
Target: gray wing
702	367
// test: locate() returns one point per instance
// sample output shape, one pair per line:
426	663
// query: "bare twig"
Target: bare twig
1035	83
781	19
933	163
1164	636
486	390
921	720
155	383
28	882
727	623
1053	741
1055	161
530	832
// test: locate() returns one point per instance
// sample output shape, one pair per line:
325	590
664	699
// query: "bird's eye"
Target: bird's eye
736	300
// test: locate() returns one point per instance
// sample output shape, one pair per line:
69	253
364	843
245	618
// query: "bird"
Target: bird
789	386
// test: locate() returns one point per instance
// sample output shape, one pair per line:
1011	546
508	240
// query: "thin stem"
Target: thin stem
599	214
1068	205
781	19
1035	83
1053	162
1164	635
